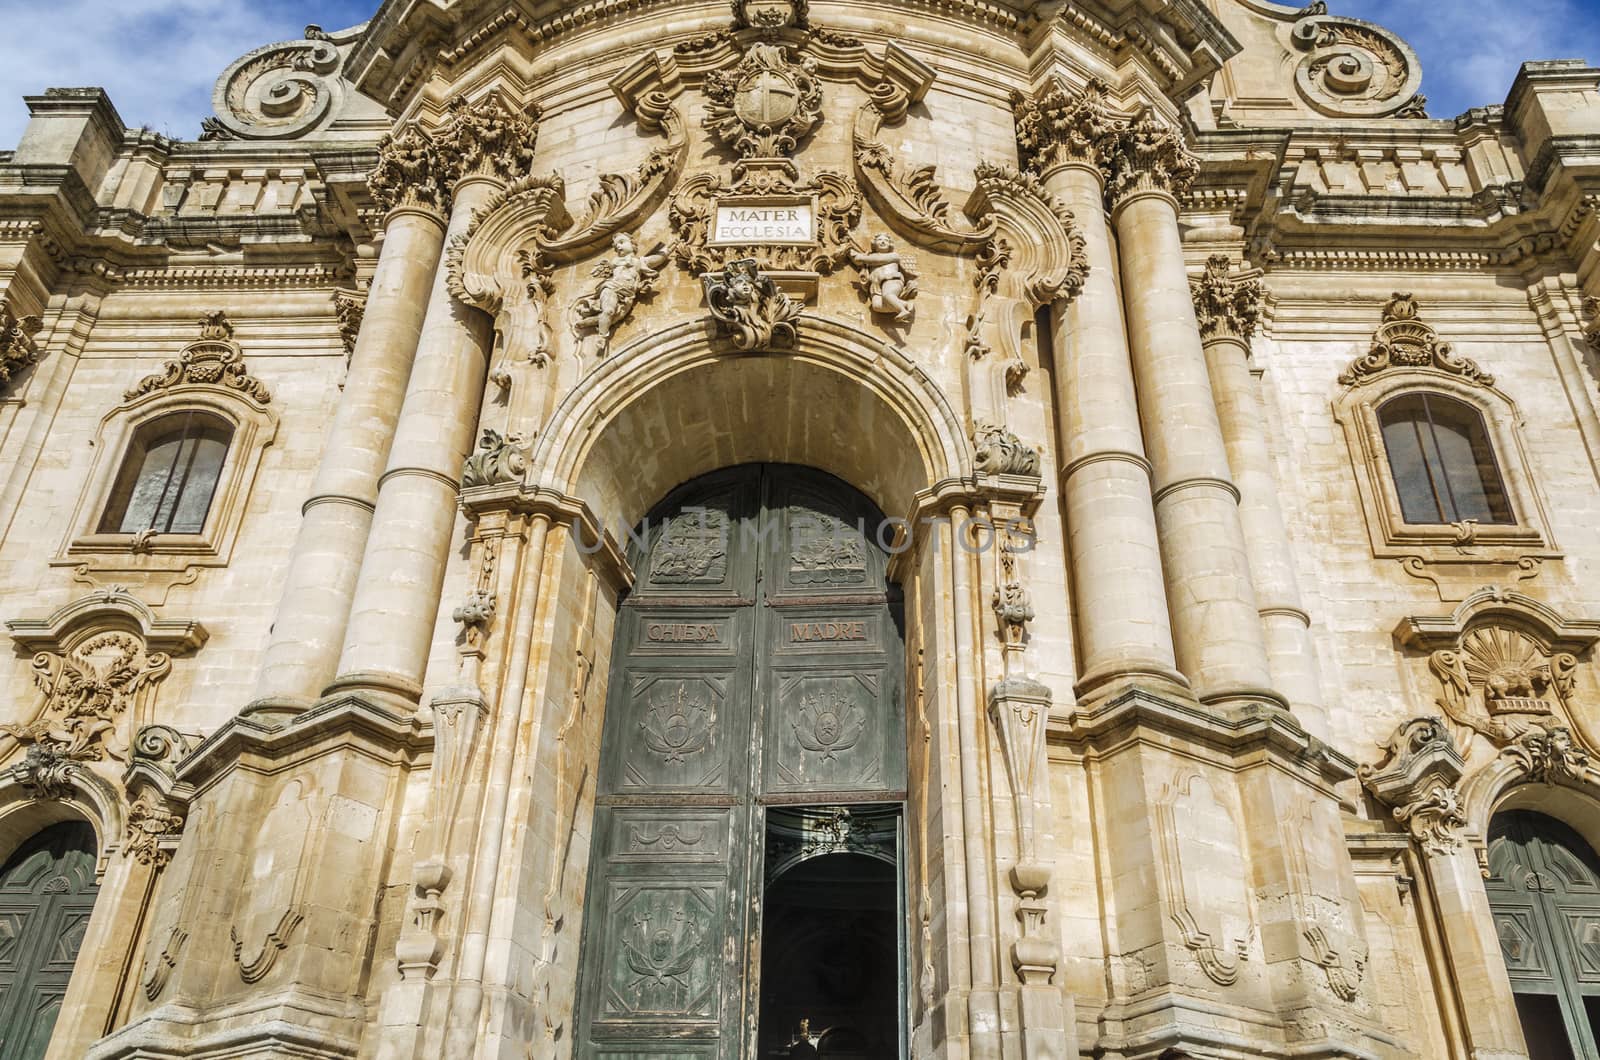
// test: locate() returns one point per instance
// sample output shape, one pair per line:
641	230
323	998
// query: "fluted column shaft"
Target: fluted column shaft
1215	619
1123	628
402	572
310	625
1291	656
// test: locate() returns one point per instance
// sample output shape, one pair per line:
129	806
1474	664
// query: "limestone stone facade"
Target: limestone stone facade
1109	307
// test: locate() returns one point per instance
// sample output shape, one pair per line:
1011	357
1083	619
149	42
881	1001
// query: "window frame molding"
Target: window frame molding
1356	410
255	427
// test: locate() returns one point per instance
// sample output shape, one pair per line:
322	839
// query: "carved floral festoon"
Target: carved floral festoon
1226	304
1403	340
215	360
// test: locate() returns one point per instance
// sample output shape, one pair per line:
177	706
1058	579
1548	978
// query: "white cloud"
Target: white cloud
157	58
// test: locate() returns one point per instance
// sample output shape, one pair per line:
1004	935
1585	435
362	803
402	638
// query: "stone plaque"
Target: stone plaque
746	222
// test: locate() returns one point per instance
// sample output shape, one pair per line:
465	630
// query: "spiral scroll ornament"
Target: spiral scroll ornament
1355	69
277	92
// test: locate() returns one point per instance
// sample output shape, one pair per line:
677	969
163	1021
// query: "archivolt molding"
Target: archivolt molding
557	462
1355	69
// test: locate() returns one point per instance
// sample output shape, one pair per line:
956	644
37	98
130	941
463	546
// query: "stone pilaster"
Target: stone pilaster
1105	478
1228	307
482	147
315	607
1215	619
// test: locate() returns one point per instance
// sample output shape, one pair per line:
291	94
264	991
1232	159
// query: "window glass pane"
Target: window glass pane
168	477
1404	444
147	484
1469	462
193	501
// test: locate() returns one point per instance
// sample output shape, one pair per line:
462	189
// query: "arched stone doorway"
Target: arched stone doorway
757	680
47	893
1544	888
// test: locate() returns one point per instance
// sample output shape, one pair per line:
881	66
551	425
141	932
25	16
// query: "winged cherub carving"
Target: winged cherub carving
624	279
888	278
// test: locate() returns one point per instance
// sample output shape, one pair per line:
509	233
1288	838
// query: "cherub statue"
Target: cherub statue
624	279
888	278
751	308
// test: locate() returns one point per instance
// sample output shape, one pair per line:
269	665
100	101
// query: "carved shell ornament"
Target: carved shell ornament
1355	69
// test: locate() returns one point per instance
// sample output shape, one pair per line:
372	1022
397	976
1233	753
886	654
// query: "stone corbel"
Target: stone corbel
1416	781
157	800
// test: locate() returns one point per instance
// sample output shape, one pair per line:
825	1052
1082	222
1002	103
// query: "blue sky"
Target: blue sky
159	58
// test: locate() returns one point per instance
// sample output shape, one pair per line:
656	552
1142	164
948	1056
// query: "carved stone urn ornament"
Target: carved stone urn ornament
753	312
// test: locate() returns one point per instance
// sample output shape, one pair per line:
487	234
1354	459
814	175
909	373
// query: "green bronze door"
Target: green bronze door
47	891
758	661
1544	888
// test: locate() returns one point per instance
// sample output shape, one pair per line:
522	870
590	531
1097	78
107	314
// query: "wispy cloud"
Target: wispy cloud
157	58
1470	49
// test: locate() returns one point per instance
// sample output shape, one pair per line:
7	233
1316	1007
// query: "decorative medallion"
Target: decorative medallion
1500	680
678	727
766	104
693	548
827	723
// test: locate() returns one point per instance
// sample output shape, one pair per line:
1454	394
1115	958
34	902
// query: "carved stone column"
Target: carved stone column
310	623
1105	479
483	147
1228	307
1214	616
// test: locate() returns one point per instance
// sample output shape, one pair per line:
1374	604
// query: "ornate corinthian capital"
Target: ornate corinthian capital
407	173
487	138
1148	155
1064	125
1227	305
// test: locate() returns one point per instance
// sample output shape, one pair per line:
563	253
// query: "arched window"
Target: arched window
1544	889
1443	465
47	891
168	476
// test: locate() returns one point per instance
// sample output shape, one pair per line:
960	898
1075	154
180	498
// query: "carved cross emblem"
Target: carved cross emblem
767	98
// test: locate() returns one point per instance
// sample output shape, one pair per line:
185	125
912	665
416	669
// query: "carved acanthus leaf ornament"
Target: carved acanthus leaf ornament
487	138
215	360
1147	155
499	459
1226	304
1060	125
1000	452
17	348
1403	340
409	172
753	311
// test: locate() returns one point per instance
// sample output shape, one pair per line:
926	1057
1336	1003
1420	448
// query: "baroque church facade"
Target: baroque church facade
669	530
